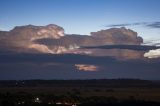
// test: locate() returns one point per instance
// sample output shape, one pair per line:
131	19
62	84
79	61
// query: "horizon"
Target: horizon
79	52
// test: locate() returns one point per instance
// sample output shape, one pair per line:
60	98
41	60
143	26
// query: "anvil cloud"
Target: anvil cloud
51	39
47	52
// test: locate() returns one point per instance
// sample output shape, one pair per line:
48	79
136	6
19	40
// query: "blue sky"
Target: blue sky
81	16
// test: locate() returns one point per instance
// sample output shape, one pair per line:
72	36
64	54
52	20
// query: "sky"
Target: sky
82	16
31	52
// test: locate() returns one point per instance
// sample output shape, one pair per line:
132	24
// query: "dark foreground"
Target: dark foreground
120	92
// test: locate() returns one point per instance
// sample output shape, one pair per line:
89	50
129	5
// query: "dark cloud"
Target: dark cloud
126	52
146	24
129	47
118	25
154	25
127	24
51	39
45	66
118	36
55	58
29	52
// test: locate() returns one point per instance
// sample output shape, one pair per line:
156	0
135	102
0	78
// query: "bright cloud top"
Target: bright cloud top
153	54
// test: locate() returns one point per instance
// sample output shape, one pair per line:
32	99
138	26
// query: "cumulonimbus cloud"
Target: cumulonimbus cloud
22	38
51	39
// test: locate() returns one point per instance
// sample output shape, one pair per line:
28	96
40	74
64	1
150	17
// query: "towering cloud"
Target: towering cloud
51	39
22	38
118	36
113	36
59	55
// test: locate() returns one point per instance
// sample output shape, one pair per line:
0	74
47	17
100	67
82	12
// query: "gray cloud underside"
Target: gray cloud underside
129	47
55	58
47	66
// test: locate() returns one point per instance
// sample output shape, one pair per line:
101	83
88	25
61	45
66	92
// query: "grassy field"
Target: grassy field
120	89
147	94
79	91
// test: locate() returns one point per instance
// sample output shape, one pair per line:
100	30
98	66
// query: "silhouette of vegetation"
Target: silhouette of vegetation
120	92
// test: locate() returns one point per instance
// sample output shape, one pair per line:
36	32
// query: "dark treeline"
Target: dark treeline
102	92
79	83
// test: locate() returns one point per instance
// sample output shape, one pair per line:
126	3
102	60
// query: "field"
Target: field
80	91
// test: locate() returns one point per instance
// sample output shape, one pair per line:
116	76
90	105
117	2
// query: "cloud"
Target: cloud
51	66
40	48
153	42
124	52
55	58
118	36
154	25
127	24
85	67
129	47
22	38
145	24
51	39
118	25
152	53
18	59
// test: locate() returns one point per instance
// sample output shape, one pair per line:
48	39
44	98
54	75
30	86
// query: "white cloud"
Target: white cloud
153	54
85	67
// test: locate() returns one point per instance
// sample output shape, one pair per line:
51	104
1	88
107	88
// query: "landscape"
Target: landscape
102	92
79	53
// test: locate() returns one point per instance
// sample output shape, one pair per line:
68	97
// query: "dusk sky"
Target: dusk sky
82	16
79	39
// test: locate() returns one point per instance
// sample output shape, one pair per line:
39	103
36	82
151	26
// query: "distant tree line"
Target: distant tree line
84	83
